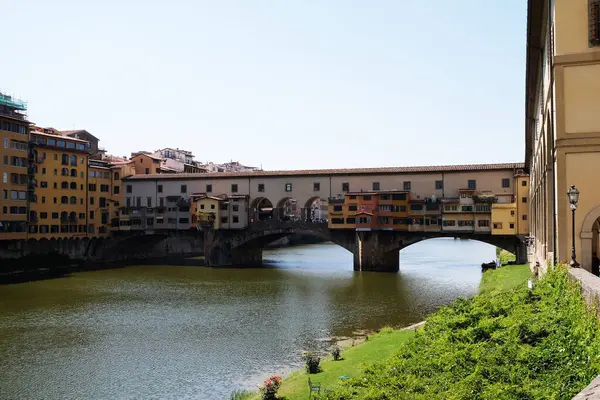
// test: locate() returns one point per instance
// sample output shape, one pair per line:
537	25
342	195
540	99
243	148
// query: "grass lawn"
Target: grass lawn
504	278
504	256
377	348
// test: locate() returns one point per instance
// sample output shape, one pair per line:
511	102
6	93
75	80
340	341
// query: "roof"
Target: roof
375	192
57	136
535	23
76	131
326	172
148	155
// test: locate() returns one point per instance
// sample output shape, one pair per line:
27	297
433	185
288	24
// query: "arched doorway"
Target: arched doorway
590	241
287	209
315	210
261	209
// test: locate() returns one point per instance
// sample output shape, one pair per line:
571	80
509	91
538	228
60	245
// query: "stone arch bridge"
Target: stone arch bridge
372	250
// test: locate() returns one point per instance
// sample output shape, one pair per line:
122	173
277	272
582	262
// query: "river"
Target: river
152	332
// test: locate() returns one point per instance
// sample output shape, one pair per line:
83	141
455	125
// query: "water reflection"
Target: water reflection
172	332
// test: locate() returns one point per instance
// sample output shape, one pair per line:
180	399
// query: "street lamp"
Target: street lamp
573	199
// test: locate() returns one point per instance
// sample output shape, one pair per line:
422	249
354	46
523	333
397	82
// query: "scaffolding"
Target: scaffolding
10	101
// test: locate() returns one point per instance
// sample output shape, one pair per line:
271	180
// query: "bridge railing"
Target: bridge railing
280	224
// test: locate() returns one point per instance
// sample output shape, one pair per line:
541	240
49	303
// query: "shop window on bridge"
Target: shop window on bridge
384	197
44	228
467	208
351	220
497	225
382	220
366	197
351	207
465	223
449	222
337	208
402	208
364	220
483	223
416	207
337	221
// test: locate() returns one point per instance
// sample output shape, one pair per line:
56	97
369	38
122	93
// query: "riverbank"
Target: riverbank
506	342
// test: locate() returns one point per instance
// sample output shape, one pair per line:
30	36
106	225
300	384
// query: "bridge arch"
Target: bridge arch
261	208
315	209
286	209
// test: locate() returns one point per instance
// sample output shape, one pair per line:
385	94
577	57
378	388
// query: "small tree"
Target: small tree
335	353
312	362
270	388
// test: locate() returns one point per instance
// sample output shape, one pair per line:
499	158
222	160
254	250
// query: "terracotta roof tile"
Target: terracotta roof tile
345	171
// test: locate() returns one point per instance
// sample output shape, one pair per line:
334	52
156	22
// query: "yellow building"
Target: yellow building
377	209
504	219
61	186
118	170
207	210
17	168
99	196
562	131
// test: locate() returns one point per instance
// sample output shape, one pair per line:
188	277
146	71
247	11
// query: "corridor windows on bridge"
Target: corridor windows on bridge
208	188
439	185
316	186
337	221
288	187
505	183
261	187
472	184
234	188
346	188
406	185
483	223
375	185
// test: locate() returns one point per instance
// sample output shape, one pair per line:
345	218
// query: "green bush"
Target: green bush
335	352
313	362
516	344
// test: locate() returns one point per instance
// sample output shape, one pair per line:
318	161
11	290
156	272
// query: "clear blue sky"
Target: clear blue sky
285	84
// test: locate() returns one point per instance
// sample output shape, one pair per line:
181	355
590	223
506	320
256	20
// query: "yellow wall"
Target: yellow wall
49	198
143	162
118	171
211	206
582	99
571	31
99	194
522	183
504	214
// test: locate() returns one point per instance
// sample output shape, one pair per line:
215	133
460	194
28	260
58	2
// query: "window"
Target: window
102	202
497	225
345	187
128	201
402	208
235	219
183	189
406	185
105	188
449	222
223	220
116	190
128	189
91	215
65	159
316	186
524	217
92	187
92	200
399	196
6	141
523	183
375	185
147	171
208	188
505	183
337	221
483	223
367	197
511	225
73	200
234	188
416	207
288	187
138	201
159	189
524	200
472	184
594	23
351	220
261	187
148	201
337	208
439	185
235	207
73	185
353	207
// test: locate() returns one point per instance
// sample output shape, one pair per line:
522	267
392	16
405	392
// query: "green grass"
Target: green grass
378	347
504	278
509	342
504	256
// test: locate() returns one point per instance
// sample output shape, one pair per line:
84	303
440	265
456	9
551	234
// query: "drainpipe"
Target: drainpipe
551	60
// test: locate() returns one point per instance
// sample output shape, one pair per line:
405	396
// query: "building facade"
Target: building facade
17	167
562	133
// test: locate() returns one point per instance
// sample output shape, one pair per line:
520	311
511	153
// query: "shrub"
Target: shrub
312	362
335	353
270	388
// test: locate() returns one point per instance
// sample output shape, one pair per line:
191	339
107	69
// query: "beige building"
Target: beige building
563	128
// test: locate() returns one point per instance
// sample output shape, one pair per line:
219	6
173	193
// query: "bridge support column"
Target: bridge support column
372	252
521	254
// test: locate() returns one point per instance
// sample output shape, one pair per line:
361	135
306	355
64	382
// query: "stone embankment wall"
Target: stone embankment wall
590	290
101	250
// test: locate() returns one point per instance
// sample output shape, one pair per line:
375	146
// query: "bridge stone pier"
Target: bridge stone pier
373	250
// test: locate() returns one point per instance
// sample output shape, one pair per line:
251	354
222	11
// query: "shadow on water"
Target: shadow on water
171	332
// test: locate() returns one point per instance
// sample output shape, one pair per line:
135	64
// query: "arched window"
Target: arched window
116	176
65	159
73	216
73	160
64	185
64	200
64	172
74	172
74	185
73	200
64	216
